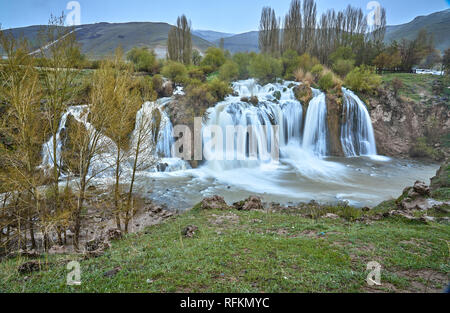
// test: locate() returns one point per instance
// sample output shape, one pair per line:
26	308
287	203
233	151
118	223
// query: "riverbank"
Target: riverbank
248	248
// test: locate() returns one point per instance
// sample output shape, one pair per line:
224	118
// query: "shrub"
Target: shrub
199	96
397	84
175	71
421	149
214	57
229	71
342	53
143	59
265	68
317	71
219	89
196	73
326	82
362	79
343	67
306	62
243	61
290	60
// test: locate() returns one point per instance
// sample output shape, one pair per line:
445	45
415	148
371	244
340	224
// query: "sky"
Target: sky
231	16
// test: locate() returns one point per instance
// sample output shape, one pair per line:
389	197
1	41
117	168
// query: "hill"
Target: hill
437	24
245	42
210	35
101	39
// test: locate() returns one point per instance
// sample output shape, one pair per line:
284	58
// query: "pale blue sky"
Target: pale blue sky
234	16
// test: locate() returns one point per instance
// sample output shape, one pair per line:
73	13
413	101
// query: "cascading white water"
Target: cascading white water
162	152
315	135
277	105
357	136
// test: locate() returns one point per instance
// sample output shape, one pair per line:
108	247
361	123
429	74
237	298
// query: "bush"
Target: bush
229	71
362	79
342	53
199	96
143	59
291	62
196	73
422	149
397	84
343	67
243	62
265	68
326	82
219	89
175	71
214	57
317	71
306	62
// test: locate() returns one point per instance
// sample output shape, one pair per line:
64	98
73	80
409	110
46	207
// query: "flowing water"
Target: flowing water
289	163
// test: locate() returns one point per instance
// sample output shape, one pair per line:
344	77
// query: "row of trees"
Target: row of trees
304	32
33	99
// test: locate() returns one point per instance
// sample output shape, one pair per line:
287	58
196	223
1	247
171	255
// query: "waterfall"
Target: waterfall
357	135
162	152
315	136
276	105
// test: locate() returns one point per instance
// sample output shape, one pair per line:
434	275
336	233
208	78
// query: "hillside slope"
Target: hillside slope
437	24
102	39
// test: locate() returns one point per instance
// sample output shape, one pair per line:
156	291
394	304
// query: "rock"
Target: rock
422	189
331	216
29	267
161	167
114	234
422	204
112	272
96	245
189	231
214	203
28	253
252	203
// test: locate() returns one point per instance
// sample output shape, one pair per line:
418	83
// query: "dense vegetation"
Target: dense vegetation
335	50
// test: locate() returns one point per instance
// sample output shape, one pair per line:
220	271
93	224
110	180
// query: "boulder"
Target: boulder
422	189
214	203
251	203
96	245
331	216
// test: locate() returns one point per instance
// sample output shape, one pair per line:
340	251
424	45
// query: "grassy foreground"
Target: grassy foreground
255	251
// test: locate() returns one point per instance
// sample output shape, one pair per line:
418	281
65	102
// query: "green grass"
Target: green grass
414	86
251	252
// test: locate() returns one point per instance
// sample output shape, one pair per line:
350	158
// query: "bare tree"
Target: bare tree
59	47
292	29
269	32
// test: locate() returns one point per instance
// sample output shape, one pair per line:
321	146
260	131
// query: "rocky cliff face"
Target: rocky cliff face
405	128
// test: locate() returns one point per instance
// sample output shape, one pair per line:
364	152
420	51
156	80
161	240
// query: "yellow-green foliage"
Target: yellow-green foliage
229	71
265	68
219	89
214	57
143	59
363	79
326	82
175	71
